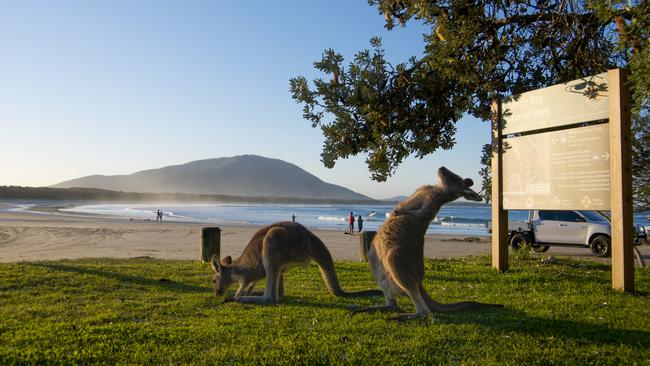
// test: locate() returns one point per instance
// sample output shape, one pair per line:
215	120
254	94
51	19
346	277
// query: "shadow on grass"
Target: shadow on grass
512	321
297	302
162	283
308	302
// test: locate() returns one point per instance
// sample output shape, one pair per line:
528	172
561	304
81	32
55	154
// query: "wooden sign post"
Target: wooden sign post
566	147
621	182
499	215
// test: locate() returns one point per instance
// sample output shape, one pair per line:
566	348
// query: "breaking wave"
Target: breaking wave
460	222
331	218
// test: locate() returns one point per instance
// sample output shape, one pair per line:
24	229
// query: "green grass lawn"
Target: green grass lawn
138	311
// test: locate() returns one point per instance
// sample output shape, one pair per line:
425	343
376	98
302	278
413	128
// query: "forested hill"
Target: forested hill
94	194
244	176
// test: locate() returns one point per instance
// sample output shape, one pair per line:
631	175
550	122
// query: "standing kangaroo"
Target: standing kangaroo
273	250
397	253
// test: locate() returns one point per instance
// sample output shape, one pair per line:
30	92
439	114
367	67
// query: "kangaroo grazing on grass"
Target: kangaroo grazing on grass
272	251
396	256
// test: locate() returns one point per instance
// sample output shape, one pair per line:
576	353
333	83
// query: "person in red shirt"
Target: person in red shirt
351	222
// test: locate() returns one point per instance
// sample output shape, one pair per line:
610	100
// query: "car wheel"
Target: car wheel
540	248
601	246
519	241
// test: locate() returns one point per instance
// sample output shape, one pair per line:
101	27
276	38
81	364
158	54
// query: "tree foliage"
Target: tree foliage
641	160
474	52
486	173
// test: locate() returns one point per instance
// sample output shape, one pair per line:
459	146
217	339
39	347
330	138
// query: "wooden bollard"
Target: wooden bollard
210	243
365	240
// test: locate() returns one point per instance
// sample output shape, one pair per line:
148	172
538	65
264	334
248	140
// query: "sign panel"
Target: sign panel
563	170
558	105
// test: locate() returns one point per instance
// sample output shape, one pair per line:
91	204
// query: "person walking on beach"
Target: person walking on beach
351	222
160	215
293	217
360	223
157	215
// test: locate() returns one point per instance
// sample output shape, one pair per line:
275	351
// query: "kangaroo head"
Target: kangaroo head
222	274
457	186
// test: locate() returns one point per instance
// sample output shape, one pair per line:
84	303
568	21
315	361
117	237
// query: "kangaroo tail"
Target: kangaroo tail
437	307
323	258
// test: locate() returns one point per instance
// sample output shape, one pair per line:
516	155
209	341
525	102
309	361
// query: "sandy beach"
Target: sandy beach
26	236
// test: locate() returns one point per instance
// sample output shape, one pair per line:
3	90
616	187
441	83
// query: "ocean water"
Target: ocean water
452	219
470	220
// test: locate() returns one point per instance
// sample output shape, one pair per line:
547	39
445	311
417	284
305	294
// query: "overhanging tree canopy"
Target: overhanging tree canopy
475	51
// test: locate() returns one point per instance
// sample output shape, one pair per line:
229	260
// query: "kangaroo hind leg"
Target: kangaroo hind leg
272	261
409	278
388	287
270	294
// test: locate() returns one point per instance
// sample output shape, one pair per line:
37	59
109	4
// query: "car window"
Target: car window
568	216
592	216
547	215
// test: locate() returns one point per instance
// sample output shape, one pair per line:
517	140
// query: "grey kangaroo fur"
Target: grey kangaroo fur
269	254
396	256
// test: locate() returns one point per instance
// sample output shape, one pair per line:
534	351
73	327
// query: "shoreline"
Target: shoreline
447	225
35	236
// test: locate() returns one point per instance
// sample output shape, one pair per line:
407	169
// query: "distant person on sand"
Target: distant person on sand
160	215
351	222
293	217
157	215
360	223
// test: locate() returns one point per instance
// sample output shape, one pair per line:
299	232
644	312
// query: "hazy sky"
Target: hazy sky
113	87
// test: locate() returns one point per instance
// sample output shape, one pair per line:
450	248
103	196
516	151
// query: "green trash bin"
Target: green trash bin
365	240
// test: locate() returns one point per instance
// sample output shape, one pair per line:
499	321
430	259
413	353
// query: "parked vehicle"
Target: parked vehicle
546	228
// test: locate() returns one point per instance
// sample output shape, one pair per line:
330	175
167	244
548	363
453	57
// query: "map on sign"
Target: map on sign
565	170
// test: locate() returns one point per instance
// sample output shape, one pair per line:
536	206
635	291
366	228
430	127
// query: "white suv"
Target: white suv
586	228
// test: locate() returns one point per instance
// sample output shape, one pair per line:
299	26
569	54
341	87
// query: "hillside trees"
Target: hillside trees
474	52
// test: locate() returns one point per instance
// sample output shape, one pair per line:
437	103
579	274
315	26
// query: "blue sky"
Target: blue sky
113	87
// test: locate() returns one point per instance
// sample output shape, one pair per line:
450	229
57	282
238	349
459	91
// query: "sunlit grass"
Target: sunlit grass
155	311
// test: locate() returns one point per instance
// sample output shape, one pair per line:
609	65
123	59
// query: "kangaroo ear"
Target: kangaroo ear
227	260
448	178
468	182
214	262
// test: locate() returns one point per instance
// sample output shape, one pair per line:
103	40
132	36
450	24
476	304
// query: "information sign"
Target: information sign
565	169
